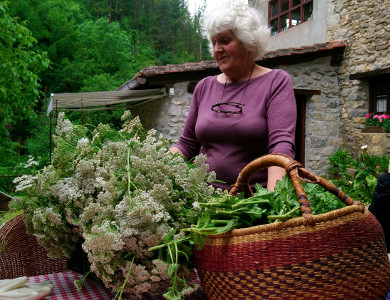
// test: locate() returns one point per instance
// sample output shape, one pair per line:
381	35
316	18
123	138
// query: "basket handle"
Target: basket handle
296	173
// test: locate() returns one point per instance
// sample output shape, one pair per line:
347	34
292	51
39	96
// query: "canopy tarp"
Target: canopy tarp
102	100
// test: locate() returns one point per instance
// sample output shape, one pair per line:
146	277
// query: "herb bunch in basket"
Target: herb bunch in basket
216	215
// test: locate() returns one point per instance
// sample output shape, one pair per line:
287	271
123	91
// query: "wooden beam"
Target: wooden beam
374	73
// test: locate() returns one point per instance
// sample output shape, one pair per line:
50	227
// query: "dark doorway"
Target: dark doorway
300	131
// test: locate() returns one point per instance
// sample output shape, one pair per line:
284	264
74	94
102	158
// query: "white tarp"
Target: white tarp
99	100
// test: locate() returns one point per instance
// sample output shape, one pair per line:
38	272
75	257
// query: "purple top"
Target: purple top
231	141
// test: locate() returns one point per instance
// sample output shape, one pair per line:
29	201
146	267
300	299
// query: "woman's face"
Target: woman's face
230	54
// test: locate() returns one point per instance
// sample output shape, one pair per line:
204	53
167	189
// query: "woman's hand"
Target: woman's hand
274	174
175	150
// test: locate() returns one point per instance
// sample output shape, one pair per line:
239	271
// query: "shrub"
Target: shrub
357	176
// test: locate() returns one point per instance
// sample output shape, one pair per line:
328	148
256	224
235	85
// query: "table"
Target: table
65	289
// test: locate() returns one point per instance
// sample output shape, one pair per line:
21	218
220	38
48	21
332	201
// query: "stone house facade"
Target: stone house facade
365	26
333	58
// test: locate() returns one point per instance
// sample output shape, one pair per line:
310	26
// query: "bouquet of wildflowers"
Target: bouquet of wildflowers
378	120
118	193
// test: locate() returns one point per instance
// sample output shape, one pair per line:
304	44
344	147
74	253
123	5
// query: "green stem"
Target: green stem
282	217
121	289
205	231
128	172
214	204
131	204
220	221
174	262
249	203
229	213
183	239
194	227
79	282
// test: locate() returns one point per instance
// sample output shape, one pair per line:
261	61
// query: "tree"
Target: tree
93	45
19	82
104	53
54	24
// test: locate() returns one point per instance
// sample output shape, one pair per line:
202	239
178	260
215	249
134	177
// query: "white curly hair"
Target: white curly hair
246	23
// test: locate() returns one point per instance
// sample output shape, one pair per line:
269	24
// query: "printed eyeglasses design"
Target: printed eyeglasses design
236	107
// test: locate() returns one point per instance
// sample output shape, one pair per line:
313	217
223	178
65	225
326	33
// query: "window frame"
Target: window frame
374	83
288	12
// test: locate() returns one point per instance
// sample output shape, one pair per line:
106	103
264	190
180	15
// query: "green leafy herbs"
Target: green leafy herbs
225	213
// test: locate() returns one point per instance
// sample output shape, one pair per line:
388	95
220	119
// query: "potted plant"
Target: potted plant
377	123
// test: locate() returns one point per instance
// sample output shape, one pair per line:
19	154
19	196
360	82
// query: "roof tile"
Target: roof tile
203	65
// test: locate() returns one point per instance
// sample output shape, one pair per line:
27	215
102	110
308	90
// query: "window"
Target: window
380	94
284	14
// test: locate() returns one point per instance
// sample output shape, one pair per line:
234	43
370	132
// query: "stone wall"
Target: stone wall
322	111
166	115
365	26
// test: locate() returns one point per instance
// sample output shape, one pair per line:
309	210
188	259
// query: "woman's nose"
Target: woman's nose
217	47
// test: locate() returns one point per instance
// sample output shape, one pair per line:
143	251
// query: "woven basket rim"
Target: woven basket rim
294	222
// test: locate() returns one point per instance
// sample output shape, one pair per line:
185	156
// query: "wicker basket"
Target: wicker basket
336	255
22	255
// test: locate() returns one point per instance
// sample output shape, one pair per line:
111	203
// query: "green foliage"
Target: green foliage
98	45
54	25
107	54
226	212
321	201
15	166
92	46
357	176
339	162
7	174
36	145
19	66
386	124
373	119
38	141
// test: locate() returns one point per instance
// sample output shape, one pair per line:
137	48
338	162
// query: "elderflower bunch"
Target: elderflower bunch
118	193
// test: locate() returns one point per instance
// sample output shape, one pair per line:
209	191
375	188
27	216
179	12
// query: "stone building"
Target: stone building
337	53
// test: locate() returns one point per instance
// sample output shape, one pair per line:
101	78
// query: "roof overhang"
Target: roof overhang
370	74
102	100
155	76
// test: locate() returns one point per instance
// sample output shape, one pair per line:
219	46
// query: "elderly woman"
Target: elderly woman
247	110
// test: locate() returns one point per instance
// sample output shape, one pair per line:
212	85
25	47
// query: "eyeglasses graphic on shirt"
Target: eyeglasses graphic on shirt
228	107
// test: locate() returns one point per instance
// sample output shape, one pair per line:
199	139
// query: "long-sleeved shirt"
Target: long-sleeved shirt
231	141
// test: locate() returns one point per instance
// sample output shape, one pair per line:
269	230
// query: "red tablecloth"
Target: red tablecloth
65	289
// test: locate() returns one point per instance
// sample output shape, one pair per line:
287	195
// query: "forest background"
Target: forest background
60	46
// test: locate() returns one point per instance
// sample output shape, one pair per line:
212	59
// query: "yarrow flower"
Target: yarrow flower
196	205
117	193
82	143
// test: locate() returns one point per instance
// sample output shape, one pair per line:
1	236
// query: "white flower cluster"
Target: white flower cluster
118	193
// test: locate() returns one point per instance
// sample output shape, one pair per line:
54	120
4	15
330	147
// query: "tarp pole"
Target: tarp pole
82	112
50	136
